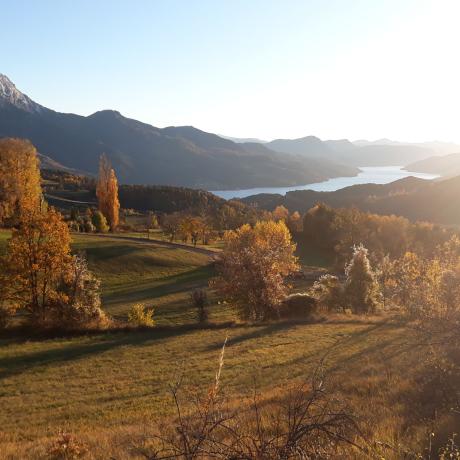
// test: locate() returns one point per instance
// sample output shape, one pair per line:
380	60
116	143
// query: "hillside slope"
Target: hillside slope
141	153
447	165
416	199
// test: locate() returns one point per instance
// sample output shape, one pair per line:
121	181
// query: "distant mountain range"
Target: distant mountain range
361	153
416	199
186	156
141	153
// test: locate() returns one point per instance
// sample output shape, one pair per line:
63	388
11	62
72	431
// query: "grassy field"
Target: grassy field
109	382
102	386
132	272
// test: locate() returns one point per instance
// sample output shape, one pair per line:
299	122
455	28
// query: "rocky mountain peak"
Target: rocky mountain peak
9	94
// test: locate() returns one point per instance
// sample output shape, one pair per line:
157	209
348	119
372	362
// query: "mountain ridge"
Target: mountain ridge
144	154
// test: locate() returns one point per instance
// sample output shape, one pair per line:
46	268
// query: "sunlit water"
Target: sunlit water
367	175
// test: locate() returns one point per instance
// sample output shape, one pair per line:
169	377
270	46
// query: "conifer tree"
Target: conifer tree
361	287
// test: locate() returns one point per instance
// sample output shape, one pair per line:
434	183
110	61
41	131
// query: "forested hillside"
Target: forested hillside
416	199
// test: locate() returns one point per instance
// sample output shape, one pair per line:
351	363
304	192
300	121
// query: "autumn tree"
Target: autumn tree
19	179
171	224
41	277
253	267
361	288
37	257
280	213
294	222
107	193
384	276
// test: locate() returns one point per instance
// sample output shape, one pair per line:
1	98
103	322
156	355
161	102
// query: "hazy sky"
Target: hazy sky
248	68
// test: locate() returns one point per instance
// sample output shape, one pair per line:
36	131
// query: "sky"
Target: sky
356	69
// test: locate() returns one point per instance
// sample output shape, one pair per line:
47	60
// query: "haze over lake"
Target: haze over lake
368	175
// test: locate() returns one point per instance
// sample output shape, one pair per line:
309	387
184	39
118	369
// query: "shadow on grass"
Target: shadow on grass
258	330
172	284
104	341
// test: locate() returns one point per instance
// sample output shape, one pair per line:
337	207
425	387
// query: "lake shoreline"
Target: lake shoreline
367	175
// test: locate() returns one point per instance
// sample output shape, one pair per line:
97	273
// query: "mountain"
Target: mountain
437	147
309	146
361	153
240	140
447	166
416	199
141	153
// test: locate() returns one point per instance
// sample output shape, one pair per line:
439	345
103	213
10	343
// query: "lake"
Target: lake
367	175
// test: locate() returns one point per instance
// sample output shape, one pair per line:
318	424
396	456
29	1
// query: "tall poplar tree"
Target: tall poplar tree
107	193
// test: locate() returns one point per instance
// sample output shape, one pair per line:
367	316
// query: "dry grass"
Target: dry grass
107	388
101	386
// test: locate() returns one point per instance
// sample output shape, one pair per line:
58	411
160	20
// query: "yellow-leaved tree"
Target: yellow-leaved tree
253	267
20	189
37	256
107	193
40	276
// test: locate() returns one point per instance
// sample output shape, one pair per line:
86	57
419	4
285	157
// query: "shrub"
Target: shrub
89	227
300	305
303	421
66	447
74	226
100	222
328	291
140	315
81	303
199	300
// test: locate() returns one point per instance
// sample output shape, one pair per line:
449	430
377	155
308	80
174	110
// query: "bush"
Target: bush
74	226
140	315
300	305
66	447
100	222
89	227
328	291
82	304
199	300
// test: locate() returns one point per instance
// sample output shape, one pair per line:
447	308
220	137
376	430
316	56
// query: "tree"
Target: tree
171	225
294	222
384	275
100	222
41	276
199	300
37	258
280	213
361	288
319	227
107	193
19	180
253	267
